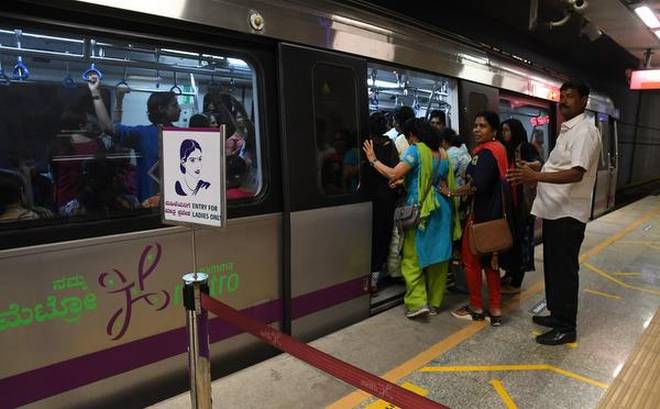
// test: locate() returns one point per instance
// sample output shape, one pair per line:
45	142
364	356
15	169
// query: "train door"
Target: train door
535	115
603	198
473	99
327	222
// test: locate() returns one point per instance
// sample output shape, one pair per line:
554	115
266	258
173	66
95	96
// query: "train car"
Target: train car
90	299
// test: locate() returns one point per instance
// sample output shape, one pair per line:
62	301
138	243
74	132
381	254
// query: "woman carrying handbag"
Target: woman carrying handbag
486	234
426	219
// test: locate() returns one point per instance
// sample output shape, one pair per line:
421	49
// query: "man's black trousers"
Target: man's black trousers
562	239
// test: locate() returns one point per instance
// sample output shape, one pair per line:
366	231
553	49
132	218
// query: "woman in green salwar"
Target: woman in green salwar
426	248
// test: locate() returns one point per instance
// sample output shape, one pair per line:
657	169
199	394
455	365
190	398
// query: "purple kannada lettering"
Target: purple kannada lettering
132	296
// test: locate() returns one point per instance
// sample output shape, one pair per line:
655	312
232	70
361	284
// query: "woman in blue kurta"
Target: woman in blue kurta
427	248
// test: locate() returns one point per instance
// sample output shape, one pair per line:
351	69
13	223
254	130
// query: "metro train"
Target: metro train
90	300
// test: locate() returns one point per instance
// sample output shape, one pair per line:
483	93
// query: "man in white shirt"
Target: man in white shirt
401	116
563	201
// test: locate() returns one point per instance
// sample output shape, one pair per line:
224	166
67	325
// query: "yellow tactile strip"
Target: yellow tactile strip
638	383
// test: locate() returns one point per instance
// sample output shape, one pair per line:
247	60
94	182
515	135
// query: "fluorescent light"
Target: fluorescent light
657	33
648	16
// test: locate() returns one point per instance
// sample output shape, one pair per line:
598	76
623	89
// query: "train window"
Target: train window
391	88
335	113
80	115
534	116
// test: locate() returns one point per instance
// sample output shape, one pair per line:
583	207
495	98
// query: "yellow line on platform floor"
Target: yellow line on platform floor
618	235
603	294
504	395
619	282
622	274
507	368
381	404
356	397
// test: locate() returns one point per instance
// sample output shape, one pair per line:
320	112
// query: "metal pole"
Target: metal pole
198	339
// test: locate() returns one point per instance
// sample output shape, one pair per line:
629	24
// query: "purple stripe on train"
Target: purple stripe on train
63	376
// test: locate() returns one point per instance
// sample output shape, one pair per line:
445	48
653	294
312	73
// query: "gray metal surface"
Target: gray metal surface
331	319
329	246
331	26
244	262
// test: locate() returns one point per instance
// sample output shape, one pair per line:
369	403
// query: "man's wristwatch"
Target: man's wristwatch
373	162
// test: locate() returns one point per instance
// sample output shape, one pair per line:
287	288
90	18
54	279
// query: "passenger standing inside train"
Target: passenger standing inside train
162	109
437	120
486	179
383	196
520	258
401	117
459	159
563	200
427	247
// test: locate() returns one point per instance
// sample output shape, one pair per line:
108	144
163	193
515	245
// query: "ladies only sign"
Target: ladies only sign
193	183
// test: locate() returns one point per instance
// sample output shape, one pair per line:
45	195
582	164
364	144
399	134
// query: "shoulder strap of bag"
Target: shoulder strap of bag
428	187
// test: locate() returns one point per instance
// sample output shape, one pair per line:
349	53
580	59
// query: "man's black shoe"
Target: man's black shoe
546	321
557	337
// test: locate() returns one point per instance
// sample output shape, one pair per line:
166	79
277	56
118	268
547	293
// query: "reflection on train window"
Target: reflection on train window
80	119
535	117
391	88
335	111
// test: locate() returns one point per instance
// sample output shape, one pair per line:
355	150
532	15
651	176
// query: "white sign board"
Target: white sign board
193	176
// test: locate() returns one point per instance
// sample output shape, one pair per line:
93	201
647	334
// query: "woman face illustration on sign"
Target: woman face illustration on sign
190	165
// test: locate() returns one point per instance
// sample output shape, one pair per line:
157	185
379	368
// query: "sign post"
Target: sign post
192	169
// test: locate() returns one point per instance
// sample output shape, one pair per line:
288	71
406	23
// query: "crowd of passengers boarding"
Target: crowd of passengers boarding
100	167
433	199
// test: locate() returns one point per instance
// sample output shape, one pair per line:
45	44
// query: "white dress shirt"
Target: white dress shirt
578	145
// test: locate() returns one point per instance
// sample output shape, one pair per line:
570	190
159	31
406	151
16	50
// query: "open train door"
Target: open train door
327	221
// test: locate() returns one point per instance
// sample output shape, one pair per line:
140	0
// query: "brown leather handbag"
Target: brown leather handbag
489	237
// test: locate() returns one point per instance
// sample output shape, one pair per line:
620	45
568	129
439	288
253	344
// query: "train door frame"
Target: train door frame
606	173
338	277
466	89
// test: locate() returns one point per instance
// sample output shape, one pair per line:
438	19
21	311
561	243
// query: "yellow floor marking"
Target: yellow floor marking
620	234
504	395
536	333
356	397
506	368
603	294
622	274
381	404
619	282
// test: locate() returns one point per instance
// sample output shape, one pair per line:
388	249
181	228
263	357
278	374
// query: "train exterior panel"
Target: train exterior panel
98	321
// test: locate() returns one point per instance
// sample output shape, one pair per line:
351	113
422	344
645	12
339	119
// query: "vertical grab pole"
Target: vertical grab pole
198	340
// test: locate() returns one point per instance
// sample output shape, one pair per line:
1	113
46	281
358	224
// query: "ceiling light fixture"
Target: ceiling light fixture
648	16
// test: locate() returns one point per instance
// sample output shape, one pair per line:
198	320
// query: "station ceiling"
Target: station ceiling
569	48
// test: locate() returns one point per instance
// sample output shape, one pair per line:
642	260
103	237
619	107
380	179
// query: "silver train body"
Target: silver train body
300	263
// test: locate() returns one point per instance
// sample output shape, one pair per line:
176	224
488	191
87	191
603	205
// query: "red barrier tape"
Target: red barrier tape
348	373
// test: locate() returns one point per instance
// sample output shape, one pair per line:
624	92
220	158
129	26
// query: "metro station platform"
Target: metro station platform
464	364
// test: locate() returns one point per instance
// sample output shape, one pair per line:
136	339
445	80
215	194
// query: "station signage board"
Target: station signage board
193	177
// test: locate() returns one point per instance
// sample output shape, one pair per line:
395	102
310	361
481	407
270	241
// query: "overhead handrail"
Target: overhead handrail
157	58
92	70
122	84
21	71
4	79
68	81
175	88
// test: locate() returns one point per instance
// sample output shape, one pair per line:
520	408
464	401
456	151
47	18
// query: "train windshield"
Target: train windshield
80	118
